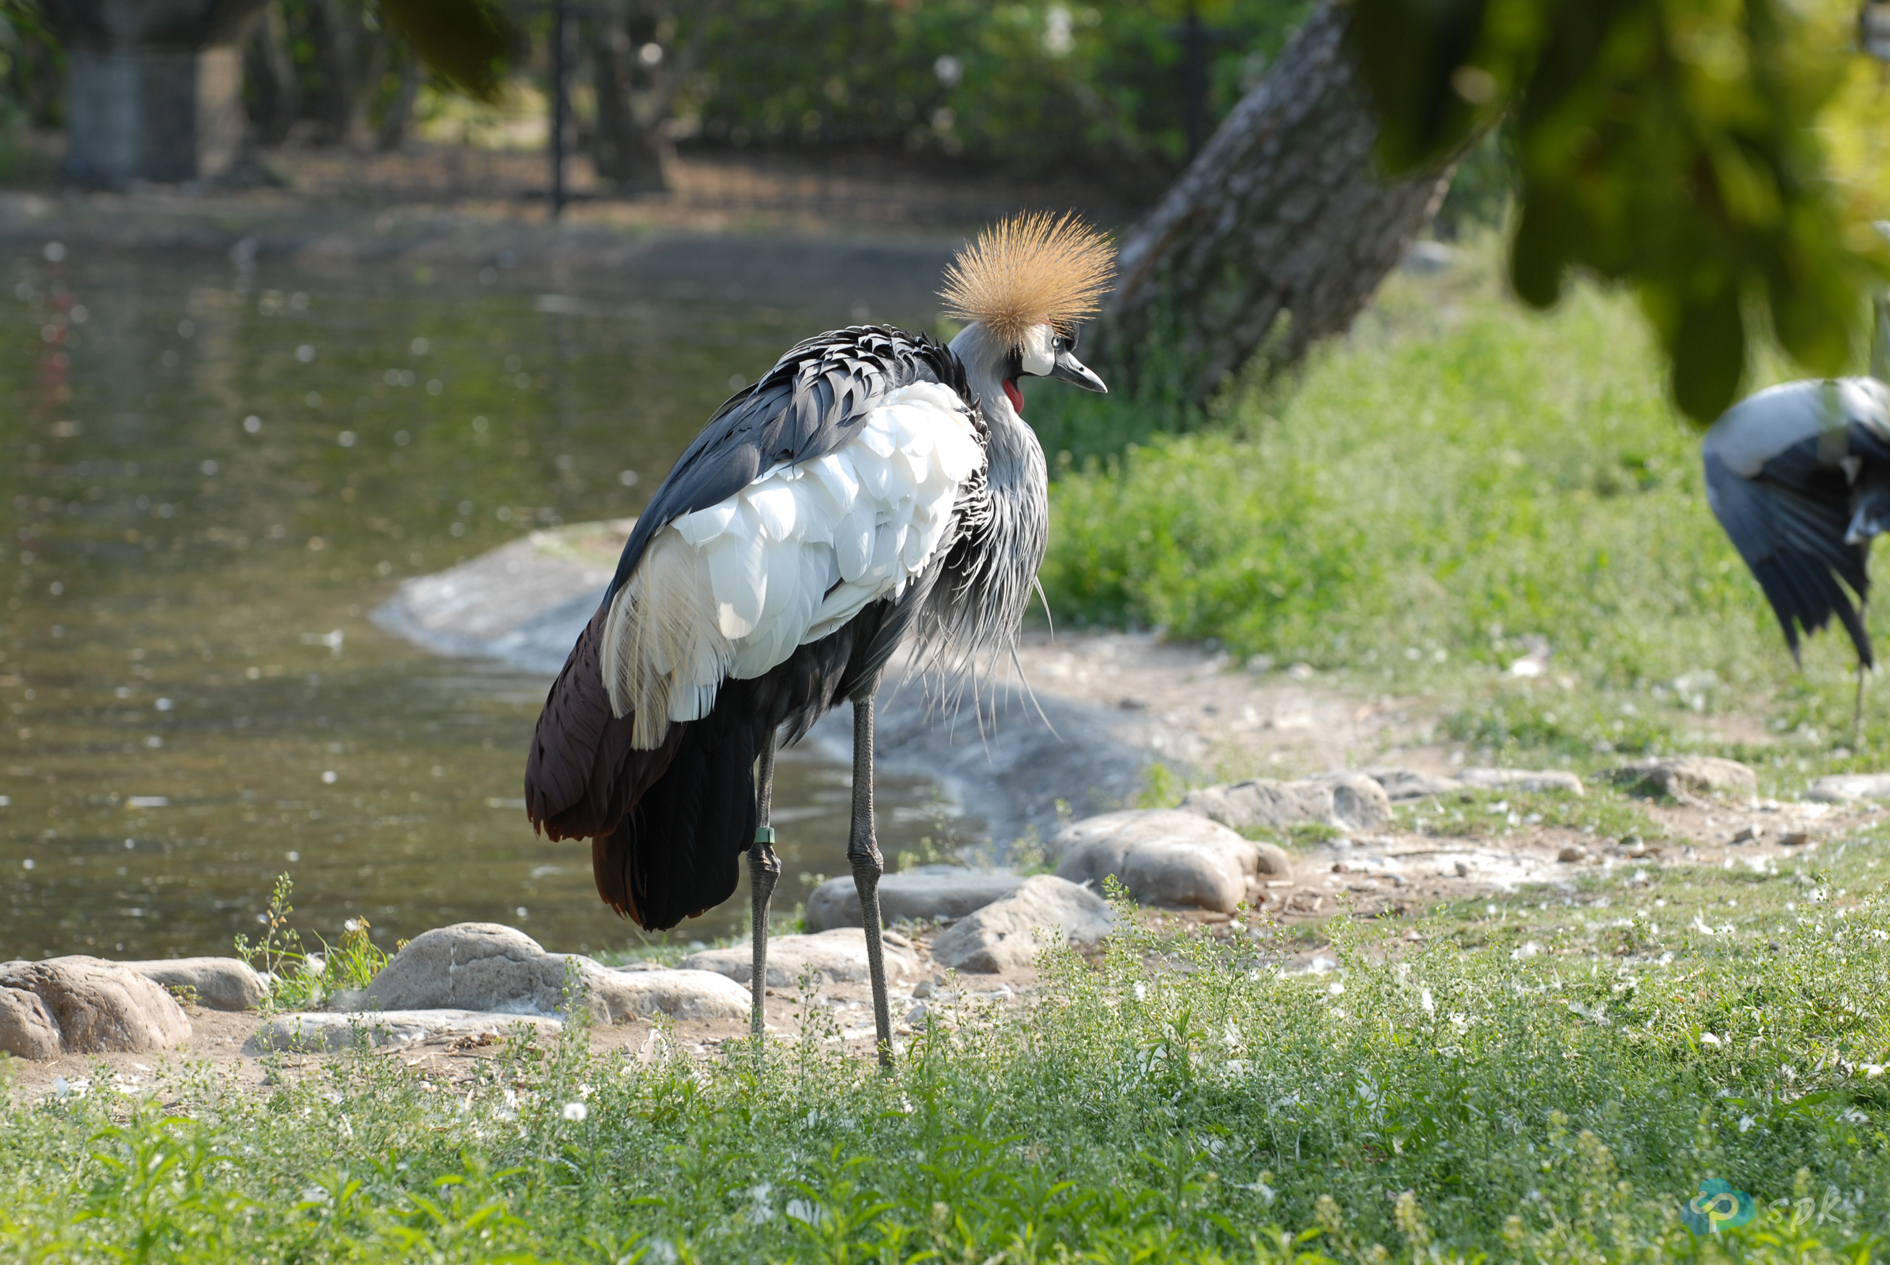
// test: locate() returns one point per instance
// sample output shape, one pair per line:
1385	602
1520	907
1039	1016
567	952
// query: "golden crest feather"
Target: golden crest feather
1031	269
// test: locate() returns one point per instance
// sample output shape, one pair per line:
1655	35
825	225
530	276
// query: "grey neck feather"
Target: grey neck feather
973	613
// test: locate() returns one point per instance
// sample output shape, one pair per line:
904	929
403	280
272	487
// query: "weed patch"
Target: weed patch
1535	1077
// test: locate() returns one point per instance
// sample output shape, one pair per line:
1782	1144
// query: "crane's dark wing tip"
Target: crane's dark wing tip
1794	545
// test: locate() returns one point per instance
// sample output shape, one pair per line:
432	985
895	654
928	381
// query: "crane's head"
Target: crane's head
1024	285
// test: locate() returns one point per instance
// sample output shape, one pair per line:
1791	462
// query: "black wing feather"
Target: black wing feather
808	405
1788	523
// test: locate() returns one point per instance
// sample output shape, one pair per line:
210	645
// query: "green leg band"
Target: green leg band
764	834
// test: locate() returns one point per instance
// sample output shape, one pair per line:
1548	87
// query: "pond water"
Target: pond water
215	471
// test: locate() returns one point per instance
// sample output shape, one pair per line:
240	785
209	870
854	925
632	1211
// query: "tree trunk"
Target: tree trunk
400	109
628	155
334	28
271	76
628	144
1278	233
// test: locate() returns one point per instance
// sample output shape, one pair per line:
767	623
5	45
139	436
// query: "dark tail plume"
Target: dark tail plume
668	826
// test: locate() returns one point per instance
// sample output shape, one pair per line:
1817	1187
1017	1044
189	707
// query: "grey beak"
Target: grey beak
1074	371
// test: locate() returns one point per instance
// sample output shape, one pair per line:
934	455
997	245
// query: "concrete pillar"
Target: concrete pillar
154	88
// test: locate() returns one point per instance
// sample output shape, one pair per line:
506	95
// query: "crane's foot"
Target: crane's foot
764	871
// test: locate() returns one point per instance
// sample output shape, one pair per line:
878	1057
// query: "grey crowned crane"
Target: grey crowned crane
874	486
1799	476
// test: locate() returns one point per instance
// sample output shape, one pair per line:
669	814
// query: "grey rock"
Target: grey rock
1522	780
220	983
1358	802
837	956
474	966
681	994
1408	784
1164	857
87	1006
1845	788
1686	777
1261	802
1350	801
326	1033
926	894
489	968
524	602
27	1029
1004	934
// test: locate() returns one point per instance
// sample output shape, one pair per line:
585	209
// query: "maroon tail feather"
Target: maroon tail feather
583	776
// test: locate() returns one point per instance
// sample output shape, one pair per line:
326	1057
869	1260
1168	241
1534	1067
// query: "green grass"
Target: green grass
1544	1077
1455	484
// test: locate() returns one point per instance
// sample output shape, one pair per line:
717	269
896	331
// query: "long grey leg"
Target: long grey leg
1857	712
863	855
764	869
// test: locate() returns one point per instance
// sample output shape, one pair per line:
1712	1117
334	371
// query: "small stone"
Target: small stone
1165	857
84	1005
1350	801
1571	852
1462	868
325	1033
220	983
930	893
922	989
1522	780
1794	839
1401	785
837	956
1848	787
1003	935
483	967
27	1029
1686	777
1748	834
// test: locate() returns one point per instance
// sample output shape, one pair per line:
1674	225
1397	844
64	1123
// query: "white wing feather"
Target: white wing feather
731	590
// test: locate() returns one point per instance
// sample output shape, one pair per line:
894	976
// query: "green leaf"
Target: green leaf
465	42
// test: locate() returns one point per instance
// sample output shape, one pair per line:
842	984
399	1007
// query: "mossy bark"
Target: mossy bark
1277	234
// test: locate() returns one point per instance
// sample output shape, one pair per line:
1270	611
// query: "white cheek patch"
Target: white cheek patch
1038	358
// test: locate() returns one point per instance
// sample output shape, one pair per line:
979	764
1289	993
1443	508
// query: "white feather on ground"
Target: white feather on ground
731	590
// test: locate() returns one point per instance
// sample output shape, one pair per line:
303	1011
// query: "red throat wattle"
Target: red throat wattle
1015	396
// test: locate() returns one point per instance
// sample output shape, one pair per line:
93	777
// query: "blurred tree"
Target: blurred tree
269	76
1036	87
32	68
642	58
1681	146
